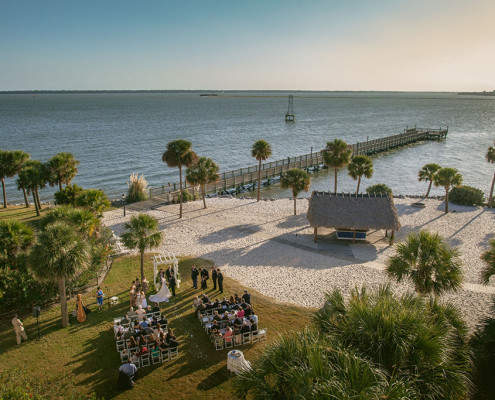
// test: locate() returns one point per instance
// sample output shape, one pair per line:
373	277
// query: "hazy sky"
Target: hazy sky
443	45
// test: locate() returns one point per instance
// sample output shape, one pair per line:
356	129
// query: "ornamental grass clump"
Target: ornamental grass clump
137	188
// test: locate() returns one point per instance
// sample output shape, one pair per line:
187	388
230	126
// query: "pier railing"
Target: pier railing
242	176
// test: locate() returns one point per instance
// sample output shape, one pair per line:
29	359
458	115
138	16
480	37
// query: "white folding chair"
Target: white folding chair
124	355
254	337
120	344
164	353
229	342
155	357
219	343
246	338
157	314
173	353
262	334
137	363
145	360
237	340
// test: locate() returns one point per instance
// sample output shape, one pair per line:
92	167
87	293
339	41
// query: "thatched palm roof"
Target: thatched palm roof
361	212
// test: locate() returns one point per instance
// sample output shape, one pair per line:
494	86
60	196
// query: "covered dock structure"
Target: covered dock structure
352	215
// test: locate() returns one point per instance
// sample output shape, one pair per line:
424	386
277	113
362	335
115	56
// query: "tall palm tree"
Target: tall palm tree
178	154
32	177
431	264
17	160
261	150
448	178
15	237
62	169
202	173
10	164
427	174
337	155
489	258
360	165
141	233
296	179
490	157
60	254
4	165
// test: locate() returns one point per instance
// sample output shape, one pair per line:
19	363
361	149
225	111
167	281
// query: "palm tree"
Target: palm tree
490	157
142	233
15	237
261	150
82	219
448	178
360	165
337	155
489	258
62	169
297	180
431	264
202	173
59	255
17	159
4	165
11	163
32	177
427	173
179	154
93	199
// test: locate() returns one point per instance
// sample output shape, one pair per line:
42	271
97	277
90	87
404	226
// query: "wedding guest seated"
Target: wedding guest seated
119	336
214	325
240	313
225	317
248	311
216	303
163	321
152	338
254	326
231	301
155	349
243	305
158	330
201	308
254	318
237	299
132	342
171	339
196	303
148	330
216	317
136	326
231	316
156	308
245	328
144	323
224	302
154	321
228	335
238	321
235	307
209	306
237	334
205	299
131	314
143	350
140	312
148	309
135	357
118	328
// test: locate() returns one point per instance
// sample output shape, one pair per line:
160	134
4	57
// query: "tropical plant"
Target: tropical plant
202	173
428	261
82	220
178	154
379	188
61	169
489	259
447	178
68	195
490	157
94	199
427	174
296	179
15	237
61	253
4	165
32	177
11	163
141	233
360	165
137	188
467	196
261	150
337	154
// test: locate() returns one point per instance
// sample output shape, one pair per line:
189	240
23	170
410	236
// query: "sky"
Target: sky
413	45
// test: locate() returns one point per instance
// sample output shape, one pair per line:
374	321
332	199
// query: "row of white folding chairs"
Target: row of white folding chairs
153	358
156	314
123	344
238	340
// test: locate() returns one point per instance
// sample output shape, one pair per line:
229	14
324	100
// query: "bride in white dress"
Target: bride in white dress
162	295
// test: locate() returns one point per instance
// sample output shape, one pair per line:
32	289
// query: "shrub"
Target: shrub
378	188
137	188
94	199
186	196
68	195
466	196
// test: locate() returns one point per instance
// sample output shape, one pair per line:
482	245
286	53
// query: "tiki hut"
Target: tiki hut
352	215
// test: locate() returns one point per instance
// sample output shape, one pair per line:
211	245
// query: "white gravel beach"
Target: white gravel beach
265	247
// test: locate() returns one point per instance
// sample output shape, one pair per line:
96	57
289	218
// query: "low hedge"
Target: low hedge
467	196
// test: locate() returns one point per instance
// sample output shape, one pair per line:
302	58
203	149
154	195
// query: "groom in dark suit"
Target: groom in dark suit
172	284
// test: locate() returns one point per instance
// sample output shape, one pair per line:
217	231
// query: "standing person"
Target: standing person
169	273
220	280
127	371
194	276
246	297
99	298
172	283
18	329
132	294
204	276
214	277
145	286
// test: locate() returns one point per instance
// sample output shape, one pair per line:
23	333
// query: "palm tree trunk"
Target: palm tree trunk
295	213
359	182
335	183
180	187
429	188
60	184
490	199
446	200
203	194
259	180
4	194
142	266
63	302
25	197
35	203
38	198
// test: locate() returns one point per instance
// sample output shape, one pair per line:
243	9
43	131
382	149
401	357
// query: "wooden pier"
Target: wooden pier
232	182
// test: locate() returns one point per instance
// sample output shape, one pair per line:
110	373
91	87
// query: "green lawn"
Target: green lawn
23	214
82	358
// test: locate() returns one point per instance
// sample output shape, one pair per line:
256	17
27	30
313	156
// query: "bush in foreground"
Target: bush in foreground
467	196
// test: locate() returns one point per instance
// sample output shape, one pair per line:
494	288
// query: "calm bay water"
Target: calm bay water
116	134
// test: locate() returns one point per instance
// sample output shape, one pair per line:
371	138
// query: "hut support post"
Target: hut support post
386	232
315	234
392	237
354	237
